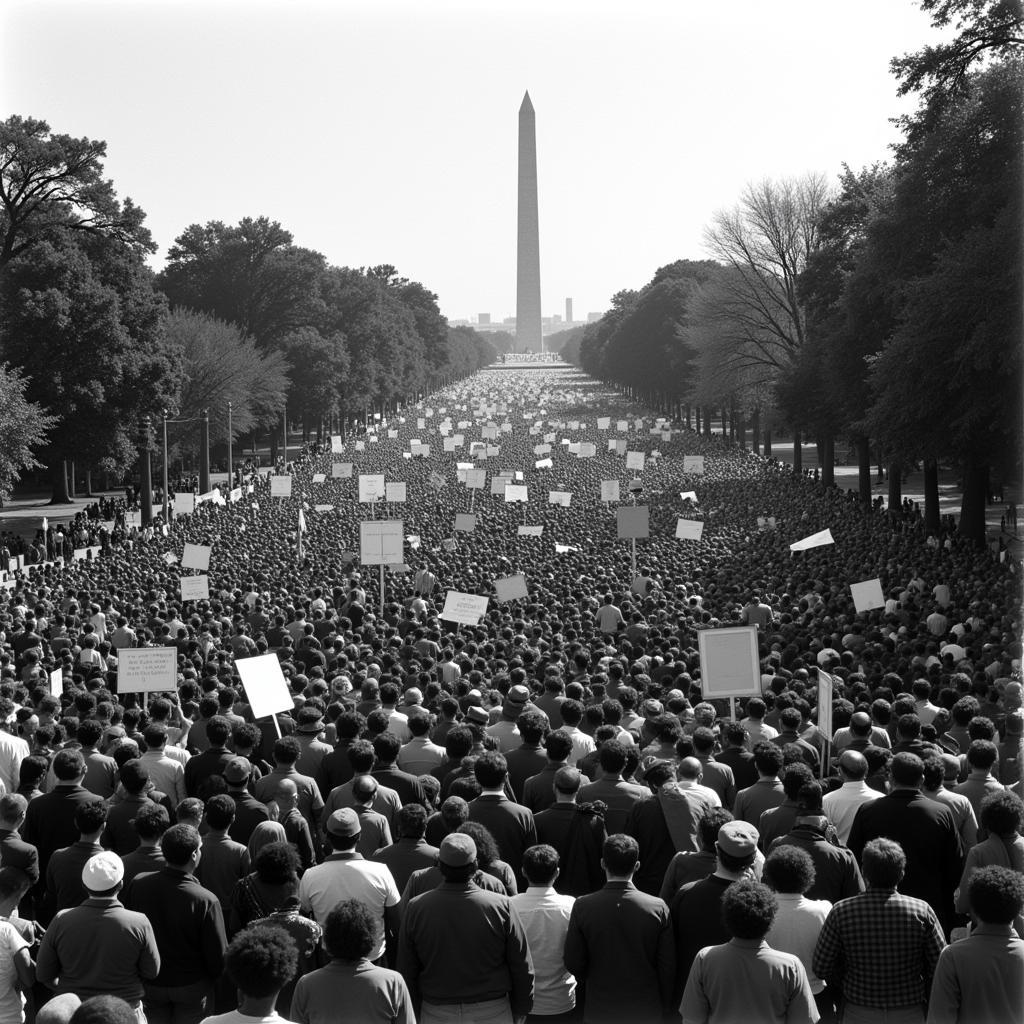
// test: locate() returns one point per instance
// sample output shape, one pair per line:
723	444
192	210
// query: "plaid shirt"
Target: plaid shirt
880	949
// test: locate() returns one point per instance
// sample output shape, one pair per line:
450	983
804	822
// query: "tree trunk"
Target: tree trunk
741	430
59	479
828	462
696	413
88	484
895	502
768	443
707	421
975	500
931	496
755	431
798	454
864	469
881	470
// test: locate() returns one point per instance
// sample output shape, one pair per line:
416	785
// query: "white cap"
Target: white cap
102	872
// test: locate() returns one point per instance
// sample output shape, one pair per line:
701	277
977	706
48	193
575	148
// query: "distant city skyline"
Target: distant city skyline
344	123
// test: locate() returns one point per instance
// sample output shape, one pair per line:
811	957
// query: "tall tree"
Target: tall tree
51	183
23	429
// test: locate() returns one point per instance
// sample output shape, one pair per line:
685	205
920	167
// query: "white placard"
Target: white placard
319	478
280	486
235	494
196	556
360	446
530	531
622	426
195	588
184	503
563	498
265	687
511	588
825	689
693	464
341	470
371	487
635	460
392	435
816	540
588	450
463	608
476	479
465	522
604	422
867	595
688	495
609	490
323	508
336	445
449	444
395	491
147	670
169	557
544	464
689	529
515	492
542	449
633	521
729	665
381	542
57	678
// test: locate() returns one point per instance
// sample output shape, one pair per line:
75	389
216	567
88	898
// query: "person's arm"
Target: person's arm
149	955
214	940
574	953
520	966
944	1001
407	961
695	1007
933	943
666	962
827	960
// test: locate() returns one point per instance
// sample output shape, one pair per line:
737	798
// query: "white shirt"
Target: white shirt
166	773
348	877
419	756
841	805
796	928
582	744
13	750
545	917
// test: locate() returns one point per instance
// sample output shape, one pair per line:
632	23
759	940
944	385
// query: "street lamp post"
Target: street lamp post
146	474
204	453
167	497
231	474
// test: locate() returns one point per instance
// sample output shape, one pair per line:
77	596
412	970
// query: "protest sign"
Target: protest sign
689	529
147	670
319	478
381	542
57	680
184	503
693	464
563	498
511	588
265	687
633	521
729	665
609	490
530	531
371	487
465	522
395	491
816	540
336	444
635	460
515	492
323	508
169	557
195	588
466	609
280	486
867	595
476	479
196	556
603	422
544	464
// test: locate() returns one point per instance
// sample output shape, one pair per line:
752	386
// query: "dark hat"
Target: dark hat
738	838
237	770
457	850
344	823
310	721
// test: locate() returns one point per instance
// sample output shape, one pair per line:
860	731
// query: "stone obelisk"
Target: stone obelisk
528	327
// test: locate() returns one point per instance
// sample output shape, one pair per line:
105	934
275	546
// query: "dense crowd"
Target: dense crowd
536	816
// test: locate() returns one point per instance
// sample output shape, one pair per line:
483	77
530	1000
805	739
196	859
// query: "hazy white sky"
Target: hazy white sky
384	131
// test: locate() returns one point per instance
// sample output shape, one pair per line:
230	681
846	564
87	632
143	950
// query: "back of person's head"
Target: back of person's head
261	960
411	821
134	776
458	743
218	730
454	811
89	732
540	864
571	712
794	778
790	719
883	863
982	754
620	854
386	746
567	780
558	745
14	883
151	821
789	869
59	1010
361	756
287	750
104	1010
748	909
277	864
351	931
612	757
907	770
853	765
12	807
68	765
809	798
768	758
189	811
708	826
909	727
179	843
364	788
996	894
1002	813
531	726
220	812
490	769
155	735
90	818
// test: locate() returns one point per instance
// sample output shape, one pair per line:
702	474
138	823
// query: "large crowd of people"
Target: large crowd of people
536	815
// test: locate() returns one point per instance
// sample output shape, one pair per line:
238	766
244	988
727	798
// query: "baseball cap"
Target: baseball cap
102	872
344	823
738	838
457	850
237	769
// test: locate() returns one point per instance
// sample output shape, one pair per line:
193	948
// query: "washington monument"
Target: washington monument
528	328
